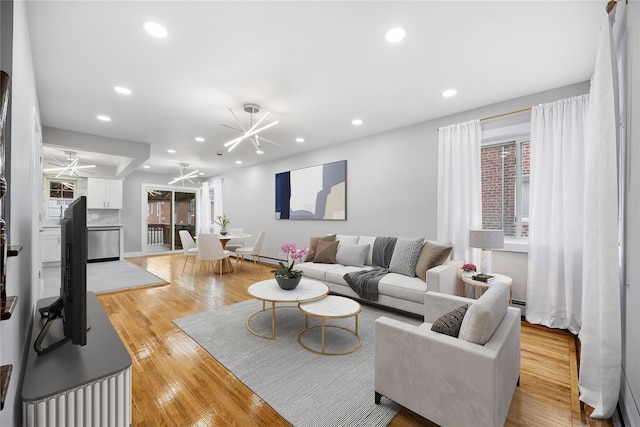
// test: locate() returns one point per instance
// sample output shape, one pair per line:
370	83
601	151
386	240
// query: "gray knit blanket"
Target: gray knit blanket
365	282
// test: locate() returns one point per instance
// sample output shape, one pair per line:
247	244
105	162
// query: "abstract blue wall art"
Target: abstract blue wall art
316	192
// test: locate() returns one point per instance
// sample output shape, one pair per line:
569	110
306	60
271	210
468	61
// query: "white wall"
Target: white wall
391	186
25	159
630	390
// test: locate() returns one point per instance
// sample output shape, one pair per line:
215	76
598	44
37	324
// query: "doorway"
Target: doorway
168	212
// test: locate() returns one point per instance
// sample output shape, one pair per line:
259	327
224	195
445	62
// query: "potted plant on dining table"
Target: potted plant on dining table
285	275
223	222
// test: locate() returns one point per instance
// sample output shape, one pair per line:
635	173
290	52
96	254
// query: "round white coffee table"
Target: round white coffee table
269	291
330	307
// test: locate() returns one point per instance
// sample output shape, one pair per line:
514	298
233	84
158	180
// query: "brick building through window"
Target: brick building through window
505	187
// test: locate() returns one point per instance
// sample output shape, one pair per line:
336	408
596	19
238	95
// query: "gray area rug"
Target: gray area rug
306	389
104	277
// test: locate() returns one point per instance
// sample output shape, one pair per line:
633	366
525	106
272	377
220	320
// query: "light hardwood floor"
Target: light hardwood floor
177	383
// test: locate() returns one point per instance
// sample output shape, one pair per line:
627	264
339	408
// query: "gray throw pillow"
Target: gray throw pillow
449	324
351	254
405	256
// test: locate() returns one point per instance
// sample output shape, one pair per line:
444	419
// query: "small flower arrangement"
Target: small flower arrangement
222	221
287	271
469	268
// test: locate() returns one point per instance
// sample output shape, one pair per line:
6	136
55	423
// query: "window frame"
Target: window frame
59	201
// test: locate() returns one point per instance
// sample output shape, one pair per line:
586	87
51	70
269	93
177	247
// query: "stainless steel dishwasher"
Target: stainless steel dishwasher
104	243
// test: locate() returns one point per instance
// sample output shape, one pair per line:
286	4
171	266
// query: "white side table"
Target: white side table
482	286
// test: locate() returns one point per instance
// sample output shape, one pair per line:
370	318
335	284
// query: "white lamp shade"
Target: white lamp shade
486	239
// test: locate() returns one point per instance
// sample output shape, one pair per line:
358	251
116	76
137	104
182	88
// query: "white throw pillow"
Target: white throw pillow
484	315
349	240
352	254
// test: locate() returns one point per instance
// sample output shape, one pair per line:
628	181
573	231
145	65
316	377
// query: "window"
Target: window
505	186
60	194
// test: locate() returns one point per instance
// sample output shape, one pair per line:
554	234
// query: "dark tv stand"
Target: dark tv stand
96	376
53	313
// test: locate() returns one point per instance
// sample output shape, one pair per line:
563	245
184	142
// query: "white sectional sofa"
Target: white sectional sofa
395	290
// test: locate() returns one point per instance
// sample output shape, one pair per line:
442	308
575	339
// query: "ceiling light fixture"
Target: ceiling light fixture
155	29
184	176
449	93
253	130
299	139
103	118
199	139
70	168
146	166
172	151
122	90
394	35
356	122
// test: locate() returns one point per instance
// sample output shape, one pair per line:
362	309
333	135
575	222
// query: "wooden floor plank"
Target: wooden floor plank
177	383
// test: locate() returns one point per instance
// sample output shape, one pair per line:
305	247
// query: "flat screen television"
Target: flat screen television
71	306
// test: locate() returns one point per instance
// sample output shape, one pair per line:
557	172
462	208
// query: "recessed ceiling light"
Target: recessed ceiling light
103	118
356	122
155	29
394	35
299	139
146	166
171	151
449	93
199	139
200	173
259	151
122	90
238	162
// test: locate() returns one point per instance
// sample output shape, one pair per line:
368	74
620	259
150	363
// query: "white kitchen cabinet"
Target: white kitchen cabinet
104	193
50	245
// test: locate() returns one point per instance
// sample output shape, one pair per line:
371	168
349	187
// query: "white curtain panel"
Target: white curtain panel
459	187
600	361
557	206
205	209
218	209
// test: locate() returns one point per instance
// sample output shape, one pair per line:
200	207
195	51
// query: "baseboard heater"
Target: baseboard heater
522	305
103	403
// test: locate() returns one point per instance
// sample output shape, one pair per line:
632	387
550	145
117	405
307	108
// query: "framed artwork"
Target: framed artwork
316	192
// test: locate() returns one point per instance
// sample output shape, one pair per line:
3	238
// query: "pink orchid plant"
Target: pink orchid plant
469	267
293	253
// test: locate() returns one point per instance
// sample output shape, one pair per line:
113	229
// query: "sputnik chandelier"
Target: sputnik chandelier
71	167
184	176
253	130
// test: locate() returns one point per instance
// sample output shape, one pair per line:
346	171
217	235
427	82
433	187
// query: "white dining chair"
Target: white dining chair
253	251
234	244
210	249
188	246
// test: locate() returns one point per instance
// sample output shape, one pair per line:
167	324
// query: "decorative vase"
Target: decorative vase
223	232
287	283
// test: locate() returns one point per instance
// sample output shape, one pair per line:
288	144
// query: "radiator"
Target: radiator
102	403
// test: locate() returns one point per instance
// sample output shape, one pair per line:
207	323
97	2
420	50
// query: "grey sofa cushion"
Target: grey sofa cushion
449	323
484	315
352	254
405	256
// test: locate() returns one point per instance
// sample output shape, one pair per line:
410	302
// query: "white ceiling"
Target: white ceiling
314	65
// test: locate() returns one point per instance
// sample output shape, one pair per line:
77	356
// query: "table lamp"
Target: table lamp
486	240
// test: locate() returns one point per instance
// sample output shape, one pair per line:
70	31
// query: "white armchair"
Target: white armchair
452	381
